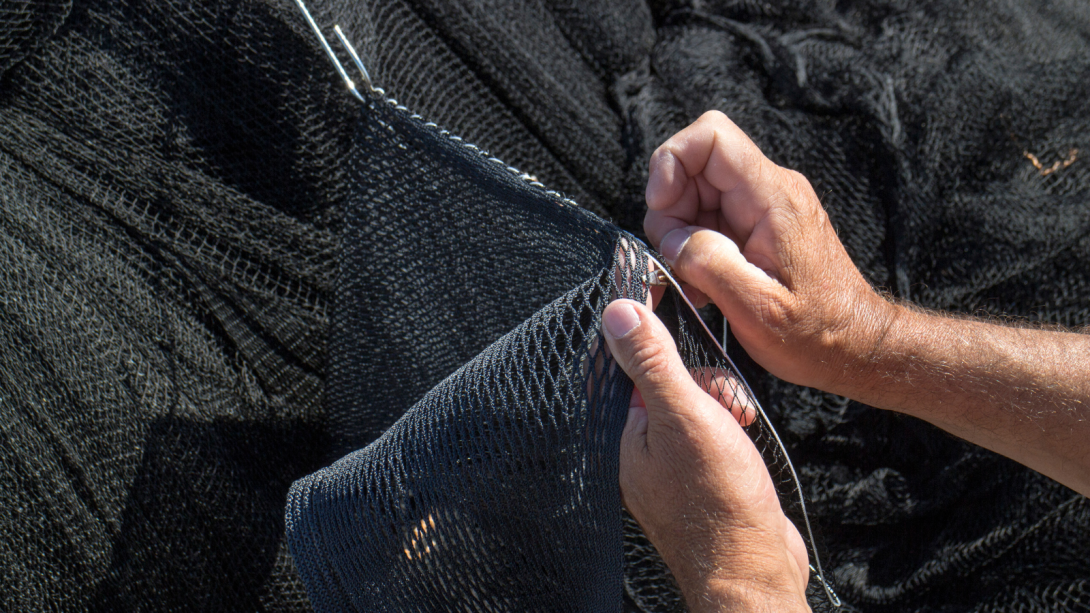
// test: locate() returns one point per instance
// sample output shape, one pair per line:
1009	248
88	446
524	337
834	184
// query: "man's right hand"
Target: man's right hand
753	237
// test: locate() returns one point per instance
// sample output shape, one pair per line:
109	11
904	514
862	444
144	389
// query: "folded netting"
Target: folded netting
498	489
947	140
183	187
496	492
169	223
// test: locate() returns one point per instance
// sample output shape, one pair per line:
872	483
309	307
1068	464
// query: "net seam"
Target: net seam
526	177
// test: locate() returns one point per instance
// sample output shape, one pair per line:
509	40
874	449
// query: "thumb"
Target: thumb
712	263
644	349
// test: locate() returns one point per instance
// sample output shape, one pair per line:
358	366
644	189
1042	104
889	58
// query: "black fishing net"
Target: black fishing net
498	490
508	467
210	287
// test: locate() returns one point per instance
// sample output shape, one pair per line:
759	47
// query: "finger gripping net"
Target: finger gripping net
497	491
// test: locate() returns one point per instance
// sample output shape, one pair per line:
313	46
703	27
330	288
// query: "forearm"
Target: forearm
1021	392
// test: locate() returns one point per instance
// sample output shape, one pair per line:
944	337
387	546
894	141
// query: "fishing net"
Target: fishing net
210	289
508	466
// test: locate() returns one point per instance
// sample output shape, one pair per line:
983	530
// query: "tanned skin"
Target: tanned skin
753	237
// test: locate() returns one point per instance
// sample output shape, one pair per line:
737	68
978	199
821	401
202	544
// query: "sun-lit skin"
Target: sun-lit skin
753	237
695	482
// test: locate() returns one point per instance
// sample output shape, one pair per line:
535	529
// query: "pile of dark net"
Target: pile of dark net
215	279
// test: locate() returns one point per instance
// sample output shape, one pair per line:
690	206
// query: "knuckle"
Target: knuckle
749	156
713	116
661	152
774	312
710	256
802	199
649	362
803	191
798	186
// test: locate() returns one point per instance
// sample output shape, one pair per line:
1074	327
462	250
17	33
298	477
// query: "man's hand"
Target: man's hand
753	237
695	482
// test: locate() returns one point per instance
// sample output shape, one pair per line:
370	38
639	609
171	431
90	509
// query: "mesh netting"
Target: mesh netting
169	219
177	181
947	142
435	235
475	473
26	24
497	491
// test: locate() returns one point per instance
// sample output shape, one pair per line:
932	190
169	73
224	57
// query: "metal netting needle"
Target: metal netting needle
355	56
663	273
329	51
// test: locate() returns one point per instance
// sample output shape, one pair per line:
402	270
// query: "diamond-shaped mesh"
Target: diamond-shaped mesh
475	472
195	268
497	491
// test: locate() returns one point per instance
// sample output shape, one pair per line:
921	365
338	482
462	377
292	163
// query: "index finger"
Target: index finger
710	160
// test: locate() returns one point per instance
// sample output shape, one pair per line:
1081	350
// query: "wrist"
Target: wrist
881	370
855	364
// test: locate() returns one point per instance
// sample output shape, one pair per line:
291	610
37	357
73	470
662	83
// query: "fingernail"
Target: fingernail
620	319
673	243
